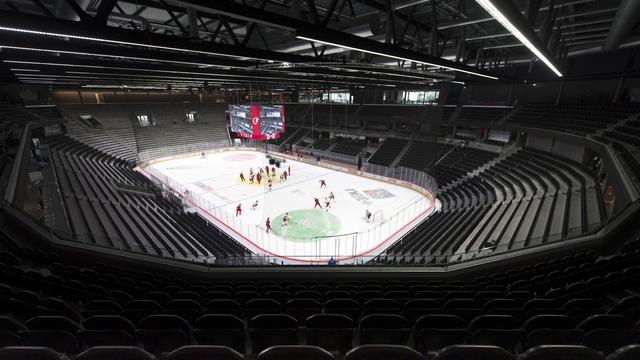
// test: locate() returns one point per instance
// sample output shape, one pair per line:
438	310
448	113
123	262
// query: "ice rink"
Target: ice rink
312	234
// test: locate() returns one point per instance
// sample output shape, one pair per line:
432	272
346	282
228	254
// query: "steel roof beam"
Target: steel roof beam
321	34
626	18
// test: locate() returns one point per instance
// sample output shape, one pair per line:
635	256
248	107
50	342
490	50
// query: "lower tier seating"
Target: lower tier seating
108	204
529	198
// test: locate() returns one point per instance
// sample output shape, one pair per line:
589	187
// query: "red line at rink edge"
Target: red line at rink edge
296	259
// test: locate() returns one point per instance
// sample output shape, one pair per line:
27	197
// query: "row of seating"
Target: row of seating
293	352
482	114
421	154
572	296
170	128
348	146
161	334
626	142
457	162
388	151
48	112
526	199
101	212
581	119
114	136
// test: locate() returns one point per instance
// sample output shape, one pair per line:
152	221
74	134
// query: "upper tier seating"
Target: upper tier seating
447	113
108	204
171	130
581	306
456	162
292	135
482	114
422	154
46	112
114	135
388	151
625	140
581	119
348	146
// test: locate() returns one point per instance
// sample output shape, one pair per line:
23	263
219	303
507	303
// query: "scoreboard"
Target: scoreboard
257	122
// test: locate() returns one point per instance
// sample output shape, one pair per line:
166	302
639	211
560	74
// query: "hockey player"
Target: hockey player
273	171
239	209
242	177
270	183
285	219
266	168
268	224
322	183
251	178
258	178
317	203
255	205
327	204
332	197
368	215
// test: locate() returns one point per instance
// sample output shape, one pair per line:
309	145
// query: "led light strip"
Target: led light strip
394	57
102	55
21	69
491	9
118	42
273	79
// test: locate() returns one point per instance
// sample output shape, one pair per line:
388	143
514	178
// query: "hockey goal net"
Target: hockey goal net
377	217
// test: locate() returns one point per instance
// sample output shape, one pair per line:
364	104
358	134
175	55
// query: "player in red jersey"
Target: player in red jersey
285	175
317	203
242	177
258	177
239	209
268	224
322	183
273	171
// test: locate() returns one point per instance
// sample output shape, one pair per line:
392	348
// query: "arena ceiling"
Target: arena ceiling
307	43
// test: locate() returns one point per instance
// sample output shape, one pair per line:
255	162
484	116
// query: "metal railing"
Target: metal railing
344	247
349	248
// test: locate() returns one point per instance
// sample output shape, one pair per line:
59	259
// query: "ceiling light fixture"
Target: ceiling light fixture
97	55
118	42
394	56
502	19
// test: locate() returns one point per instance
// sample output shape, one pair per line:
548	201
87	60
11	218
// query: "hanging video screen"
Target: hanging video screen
257	122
